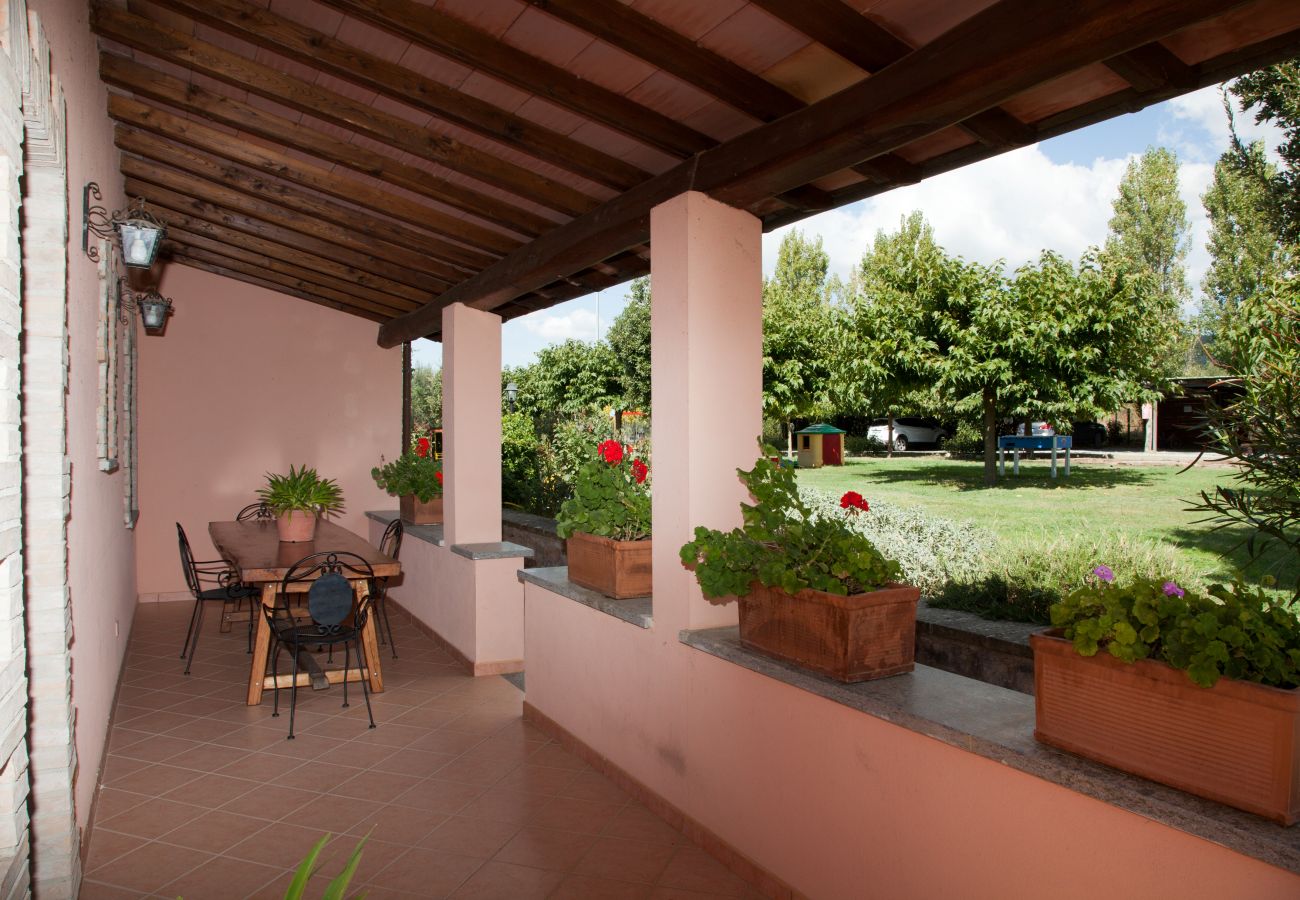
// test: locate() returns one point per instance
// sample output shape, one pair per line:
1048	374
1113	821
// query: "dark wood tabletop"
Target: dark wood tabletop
255	549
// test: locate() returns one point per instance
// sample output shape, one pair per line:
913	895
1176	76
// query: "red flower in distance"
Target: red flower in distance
611	452
422	447
854	502
439	476
639	470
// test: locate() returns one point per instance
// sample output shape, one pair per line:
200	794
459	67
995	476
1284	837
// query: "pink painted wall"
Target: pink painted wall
101	565
248	381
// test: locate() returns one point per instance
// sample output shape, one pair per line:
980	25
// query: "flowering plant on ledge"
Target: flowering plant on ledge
611	497
782	544
415	473
1236	632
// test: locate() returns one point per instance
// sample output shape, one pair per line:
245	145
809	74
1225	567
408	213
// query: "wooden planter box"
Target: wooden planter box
1237	742
853	638
415	512
618	569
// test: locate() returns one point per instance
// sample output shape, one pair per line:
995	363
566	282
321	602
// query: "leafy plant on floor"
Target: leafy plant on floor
337	888
302	490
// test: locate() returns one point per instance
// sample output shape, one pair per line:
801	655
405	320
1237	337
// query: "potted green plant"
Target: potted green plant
298	499
606	523
415	478
812	591
1197	691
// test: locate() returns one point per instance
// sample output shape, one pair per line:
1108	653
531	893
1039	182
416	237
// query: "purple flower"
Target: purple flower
1173	590
1104	573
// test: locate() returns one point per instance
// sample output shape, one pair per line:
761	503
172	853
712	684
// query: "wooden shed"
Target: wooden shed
820	445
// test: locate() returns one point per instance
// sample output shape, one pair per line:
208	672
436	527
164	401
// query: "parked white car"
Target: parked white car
909	431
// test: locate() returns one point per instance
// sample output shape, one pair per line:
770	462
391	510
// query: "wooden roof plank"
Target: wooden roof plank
157	120
265	29
155	85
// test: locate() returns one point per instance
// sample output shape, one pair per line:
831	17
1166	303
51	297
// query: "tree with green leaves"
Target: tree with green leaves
797	329
1149	228
566	378
629	339
1273	93
426	399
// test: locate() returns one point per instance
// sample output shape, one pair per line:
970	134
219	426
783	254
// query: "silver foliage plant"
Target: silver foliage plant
931	550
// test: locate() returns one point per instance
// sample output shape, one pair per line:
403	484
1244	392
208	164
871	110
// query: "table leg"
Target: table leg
1053	459
261	647
369	644
1067	462
1002	461
1015	456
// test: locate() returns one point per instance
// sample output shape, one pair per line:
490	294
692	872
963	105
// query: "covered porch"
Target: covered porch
326	168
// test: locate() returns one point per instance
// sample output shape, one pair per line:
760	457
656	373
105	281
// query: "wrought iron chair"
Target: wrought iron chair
209	580
389	545
336	618
254	512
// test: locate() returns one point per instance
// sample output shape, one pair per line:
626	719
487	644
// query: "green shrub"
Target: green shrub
862	443
611	497
1021	582
967	439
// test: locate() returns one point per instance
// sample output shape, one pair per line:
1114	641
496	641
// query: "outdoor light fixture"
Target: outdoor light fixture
512	391
139	233
154	308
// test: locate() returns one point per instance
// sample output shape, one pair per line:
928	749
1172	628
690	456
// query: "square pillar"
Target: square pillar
471	408
706	339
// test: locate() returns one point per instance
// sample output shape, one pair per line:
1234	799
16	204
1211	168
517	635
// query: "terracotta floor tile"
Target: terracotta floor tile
406	825
584	887
203	729
252	738
271	802
112	802
355	753
429	873
108	846
595	787
211	791
624	860
506	806
452	742
692	869
470	837
503	881
157	748
574	815
316	776
263	767
152	818
95	890
336	814
117	767
638	823
208	757
221	878
543	848
555	755
150	867
215	831
379	786
407	761
544	780
285	845
445	797
304	746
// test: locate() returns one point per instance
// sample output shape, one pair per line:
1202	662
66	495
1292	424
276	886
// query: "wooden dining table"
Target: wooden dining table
254	548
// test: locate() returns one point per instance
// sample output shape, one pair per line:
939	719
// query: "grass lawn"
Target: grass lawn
1096	500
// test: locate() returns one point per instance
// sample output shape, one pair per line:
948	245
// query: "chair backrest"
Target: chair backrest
330	574
254	511
391	543
187	561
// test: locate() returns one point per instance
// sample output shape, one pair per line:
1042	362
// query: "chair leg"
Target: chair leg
275	675
365	682
194	647
293	689
189	631
346	666
383	612
252	622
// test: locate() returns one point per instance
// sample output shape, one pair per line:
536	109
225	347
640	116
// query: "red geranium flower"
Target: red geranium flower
422	447
639	470
439	476
854	502
611	452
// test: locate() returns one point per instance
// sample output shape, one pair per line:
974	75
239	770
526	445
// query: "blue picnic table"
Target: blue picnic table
1015	444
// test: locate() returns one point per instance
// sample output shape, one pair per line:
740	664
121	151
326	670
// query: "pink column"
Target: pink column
706	339
471	409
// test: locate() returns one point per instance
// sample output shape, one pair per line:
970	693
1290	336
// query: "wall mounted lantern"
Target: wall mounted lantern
154	308
512	392
139	233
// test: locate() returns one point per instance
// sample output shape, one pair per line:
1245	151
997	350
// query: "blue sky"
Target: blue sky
1055	195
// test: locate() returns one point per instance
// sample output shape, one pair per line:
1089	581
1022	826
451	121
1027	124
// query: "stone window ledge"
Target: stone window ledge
998	724
635	611
493	550
430	534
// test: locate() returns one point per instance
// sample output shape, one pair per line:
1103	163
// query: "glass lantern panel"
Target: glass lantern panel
139	243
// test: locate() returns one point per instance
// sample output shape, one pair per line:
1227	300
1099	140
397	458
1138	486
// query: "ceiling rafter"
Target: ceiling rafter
997	53
264	29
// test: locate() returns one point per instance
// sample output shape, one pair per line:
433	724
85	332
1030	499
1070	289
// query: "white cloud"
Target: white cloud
1198	126
557	327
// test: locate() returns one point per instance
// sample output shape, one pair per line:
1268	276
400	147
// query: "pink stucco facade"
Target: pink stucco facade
248	381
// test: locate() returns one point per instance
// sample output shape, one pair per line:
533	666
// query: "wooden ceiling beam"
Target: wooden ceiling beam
260	280
196	207
405	266
1152	68
264	187
997	53
455	39
401	135
277	163
265	29
343	295
144	81
643	37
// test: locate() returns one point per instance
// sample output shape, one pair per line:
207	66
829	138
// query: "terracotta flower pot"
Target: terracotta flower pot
853	638
415	511
618	569
296	526
1237	742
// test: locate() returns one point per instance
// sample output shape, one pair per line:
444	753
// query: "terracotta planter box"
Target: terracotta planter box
618	569
296	527
853	638
414	511
1237	742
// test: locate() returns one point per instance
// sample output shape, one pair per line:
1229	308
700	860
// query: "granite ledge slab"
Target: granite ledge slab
998	724
431	534
635	610
493	550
